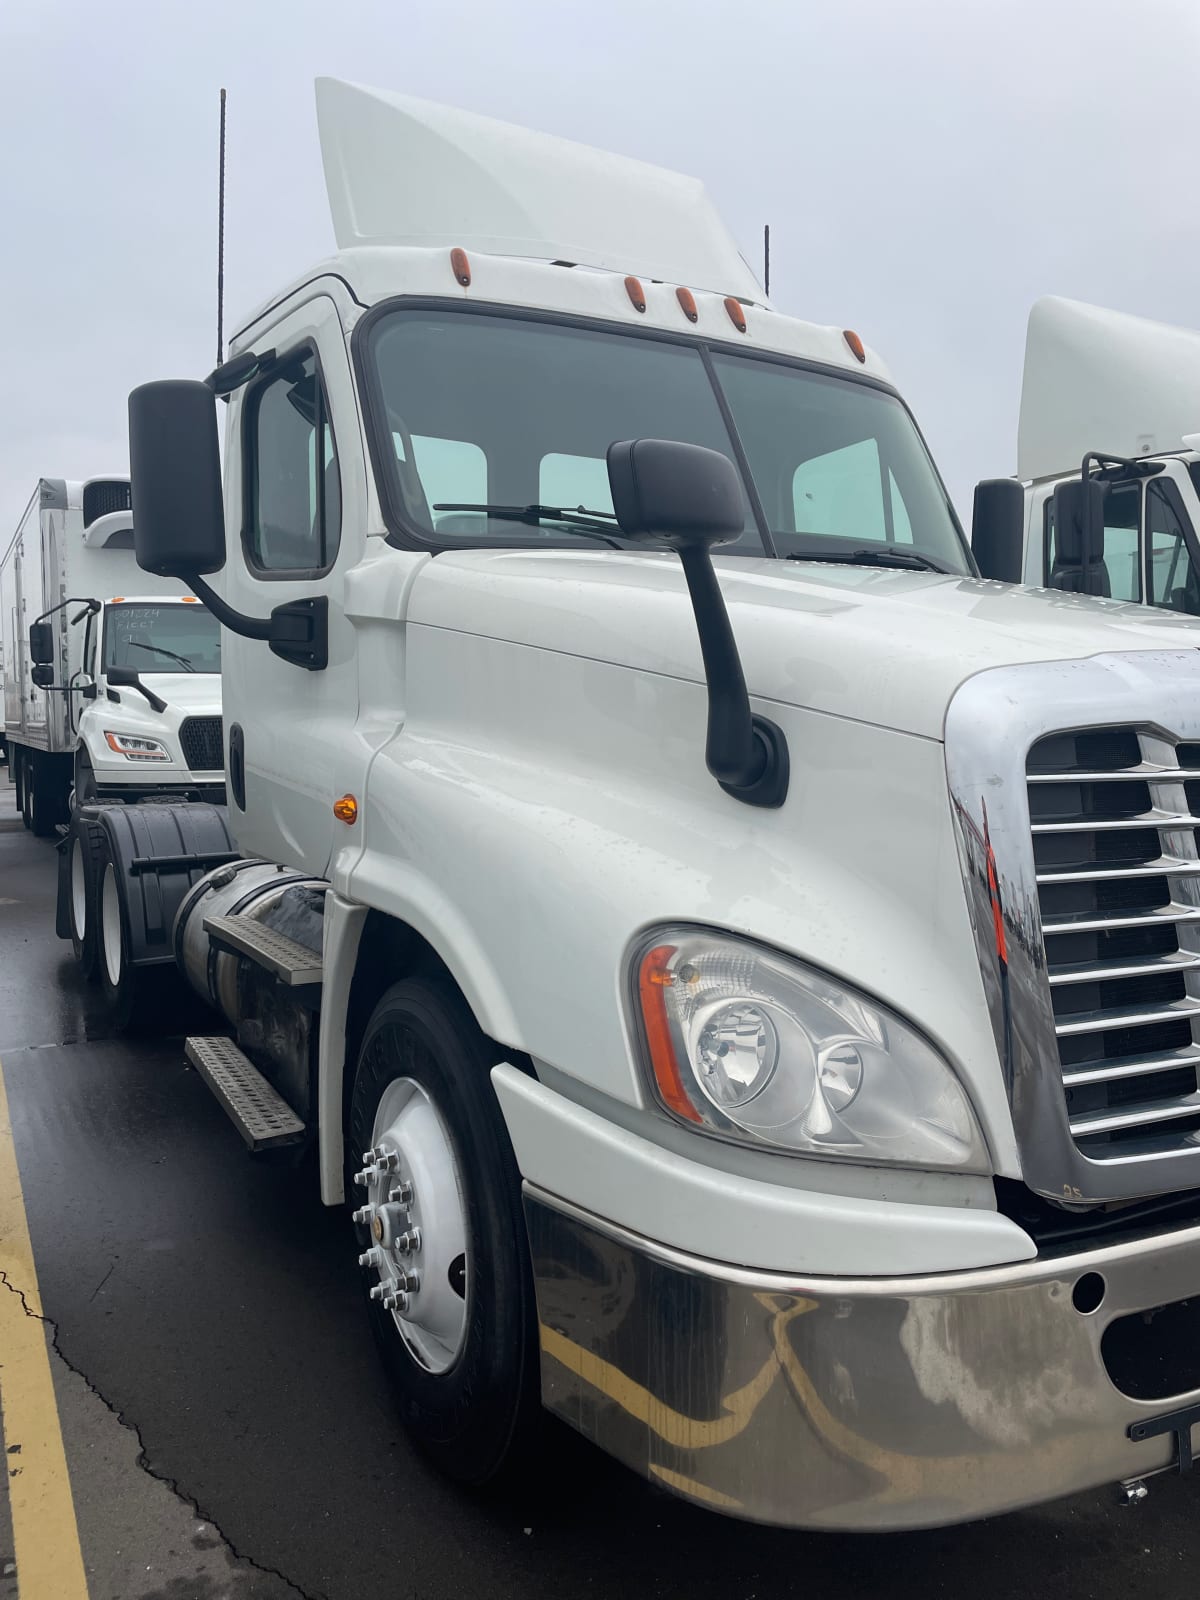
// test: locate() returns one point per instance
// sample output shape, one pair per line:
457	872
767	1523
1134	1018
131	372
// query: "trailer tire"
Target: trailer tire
468	1392
83	845
137	997
42	810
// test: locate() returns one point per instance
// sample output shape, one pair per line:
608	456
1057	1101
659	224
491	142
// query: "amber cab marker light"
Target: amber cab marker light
736	315
460	266
688	301
190	600
857	348
346	809
654	979
637	295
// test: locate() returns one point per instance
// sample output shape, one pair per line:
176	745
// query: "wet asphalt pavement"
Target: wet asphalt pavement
227	1431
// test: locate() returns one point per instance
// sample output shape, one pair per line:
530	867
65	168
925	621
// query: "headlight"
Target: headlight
136	748
759	1048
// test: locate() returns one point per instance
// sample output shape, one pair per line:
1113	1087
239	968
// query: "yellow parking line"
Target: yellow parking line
48	1558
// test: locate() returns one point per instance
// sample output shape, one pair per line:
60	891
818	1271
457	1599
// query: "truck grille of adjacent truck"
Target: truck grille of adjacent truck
202	742
1115	814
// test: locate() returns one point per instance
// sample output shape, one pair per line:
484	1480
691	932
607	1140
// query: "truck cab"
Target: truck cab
113	686
736	967
1121	395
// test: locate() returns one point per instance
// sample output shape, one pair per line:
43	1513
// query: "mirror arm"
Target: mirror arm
235	621
746	754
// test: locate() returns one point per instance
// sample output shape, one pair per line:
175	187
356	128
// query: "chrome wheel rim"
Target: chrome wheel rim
78	889
416	1216
110	925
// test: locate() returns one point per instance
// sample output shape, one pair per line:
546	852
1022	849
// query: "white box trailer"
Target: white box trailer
1106	500
112	686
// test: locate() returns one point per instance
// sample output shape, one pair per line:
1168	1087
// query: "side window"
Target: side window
294	509
1173	580
1121	560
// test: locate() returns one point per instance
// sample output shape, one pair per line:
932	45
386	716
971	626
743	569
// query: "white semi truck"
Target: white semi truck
112	688
749	999
1106	500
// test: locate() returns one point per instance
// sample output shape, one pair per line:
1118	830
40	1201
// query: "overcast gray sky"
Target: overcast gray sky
928	168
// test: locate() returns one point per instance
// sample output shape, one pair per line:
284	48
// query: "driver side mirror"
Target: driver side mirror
1079	536
41	643
998	529
175	473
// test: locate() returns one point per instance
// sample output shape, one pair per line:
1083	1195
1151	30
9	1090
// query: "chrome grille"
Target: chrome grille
201	739
1114	814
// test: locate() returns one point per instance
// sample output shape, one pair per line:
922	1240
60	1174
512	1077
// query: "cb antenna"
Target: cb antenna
221	243
766	225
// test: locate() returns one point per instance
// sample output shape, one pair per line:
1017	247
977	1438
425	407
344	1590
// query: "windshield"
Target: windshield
177	636
492	414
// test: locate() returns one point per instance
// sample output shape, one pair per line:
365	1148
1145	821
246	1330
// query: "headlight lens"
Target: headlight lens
134	747
759	1048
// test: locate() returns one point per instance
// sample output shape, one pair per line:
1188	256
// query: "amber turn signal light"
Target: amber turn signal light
346	809
654	977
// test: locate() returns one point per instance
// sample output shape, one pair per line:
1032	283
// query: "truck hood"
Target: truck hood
195	694
881	646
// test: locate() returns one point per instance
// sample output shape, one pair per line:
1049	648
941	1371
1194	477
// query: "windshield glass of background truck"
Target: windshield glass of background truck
173	637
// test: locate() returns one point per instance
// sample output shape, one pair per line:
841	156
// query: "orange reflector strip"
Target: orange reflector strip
857	348
346	809
653	981
636	293
688	301
116	599
190	600
460	266
736	314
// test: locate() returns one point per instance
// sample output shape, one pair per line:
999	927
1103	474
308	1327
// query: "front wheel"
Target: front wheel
138	998
441	1235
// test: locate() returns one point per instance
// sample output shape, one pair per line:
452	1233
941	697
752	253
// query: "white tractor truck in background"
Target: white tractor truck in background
1106	500
740	969
112	688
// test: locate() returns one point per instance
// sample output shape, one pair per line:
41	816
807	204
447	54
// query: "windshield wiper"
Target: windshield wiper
581	518
868	556
136	644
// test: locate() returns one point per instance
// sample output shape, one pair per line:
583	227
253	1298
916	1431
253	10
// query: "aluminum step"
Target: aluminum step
293	964
262	1117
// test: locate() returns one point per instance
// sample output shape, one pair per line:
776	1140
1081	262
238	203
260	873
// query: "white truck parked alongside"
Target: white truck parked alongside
112	688
1107	495
752	1005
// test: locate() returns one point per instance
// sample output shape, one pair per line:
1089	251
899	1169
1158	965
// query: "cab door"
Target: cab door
295	520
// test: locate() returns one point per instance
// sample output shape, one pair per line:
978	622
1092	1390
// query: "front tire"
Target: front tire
454	1314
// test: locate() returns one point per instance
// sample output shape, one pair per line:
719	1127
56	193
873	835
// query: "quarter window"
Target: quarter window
295	501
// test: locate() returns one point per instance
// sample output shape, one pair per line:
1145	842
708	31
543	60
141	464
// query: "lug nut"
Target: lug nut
369	1258
410	1282
408	1242
402	1193
397	1300
363	1215
363	1178
378	1290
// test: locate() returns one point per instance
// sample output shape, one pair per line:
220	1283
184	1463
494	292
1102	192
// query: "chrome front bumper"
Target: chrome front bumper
838	1403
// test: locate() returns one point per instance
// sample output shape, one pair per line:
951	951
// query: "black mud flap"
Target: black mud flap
62	905
159	852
